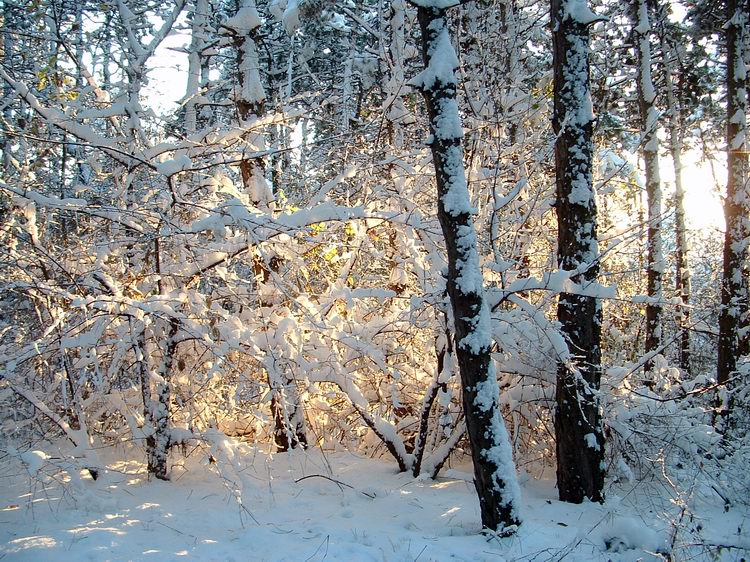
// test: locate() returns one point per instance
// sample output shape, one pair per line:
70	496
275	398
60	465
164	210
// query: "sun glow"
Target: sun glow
703	201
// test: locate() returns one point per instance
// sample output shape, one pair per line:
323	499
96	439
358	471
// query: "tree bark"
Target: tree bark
578	426
736	205
251	99
676	132
650	148
494	472
157	441
195	64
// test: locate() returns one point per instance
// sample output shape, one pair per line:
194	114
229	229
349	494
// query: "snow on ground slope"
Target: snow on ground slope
311	507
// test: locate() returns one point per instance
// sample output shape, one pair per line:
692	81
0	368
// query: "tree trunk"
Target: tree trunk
578	426
736	204
682	267
157	442
7	144
289	427
444	353
650	148
161	440
494	472
250	99
195	65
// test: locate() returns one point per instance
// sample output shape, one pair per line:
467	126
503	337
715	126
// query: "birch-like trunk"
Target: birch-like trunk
650	148
494	471
682	266
154	418
578	425
195	65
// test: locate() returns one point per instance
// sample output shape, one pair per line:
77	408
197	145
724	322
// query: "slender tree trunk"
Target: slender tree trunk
8	46
156	447
444	353
737	202
682	267
494	472
195	65
83	169
160	415
107	53
395	84
578	426
251	99
650	144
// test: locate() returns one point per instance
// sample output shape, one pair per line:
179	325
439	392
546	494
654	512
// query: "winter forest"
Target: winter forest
387	280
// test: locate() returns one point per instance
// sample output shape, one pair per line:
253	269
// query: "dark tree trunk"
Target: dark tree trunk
7	144
494	472
289	422
578	427
736	206
289	419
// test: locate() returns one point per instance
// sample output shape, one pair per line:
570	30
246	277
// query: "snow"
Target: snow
34	460
249	505
443	60
174	166
246	19
579	11
290	16
442	4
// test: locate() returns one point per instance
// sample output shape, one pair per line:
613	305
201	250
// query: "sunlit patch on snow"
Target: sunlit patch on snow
445	485
147	505
132	467
451	511
27	543
92	528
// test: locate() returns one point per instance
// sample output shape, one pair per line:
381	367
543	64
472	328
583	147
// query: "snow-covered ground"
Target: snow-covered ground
313	507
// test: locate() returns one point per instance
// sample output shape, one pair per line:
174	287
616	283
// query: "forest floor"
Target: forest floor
310	507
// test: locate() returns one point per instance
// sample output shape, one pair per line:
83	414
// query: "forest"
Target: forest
374	280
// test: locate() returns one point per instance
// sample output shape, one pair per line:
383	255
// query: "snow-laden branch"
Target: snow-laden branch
71	126
77	205
384	429
557	282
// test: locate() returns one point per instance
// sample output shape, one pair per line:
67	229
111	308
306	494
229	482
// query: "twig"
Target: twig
325	554
337	482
